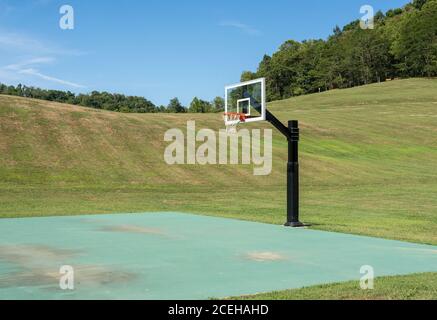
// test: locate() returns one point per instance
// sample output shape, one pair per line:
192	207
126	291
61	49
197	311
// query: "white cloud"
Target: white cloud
21	65
28	67
36	73
242	27
43	53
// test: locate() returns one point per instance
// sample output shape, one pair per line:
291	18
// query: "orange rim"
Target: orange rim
242	116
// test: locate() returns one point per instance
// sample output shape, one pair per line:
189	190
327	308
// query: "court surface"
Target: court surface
182	256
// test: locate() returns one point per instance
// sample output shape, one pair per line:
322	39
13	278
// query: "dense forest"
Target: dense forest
403	43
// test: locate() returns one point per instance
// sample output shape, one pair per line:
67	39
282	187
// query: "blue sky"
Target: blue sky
158	49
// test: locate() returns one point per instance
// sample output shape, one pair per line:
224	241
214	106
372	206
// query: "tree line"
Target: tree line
113	101
402	44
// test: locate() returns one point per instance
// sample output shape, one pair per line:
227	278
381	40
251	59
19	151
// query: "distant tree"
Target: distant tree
12	91
175	106
352	26
379	17
218	104
200	106
416	45
418	4
248	76
337	31
97	100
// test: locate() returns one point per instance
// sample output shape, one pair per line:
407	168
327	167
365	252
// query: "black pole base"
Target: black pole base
295	225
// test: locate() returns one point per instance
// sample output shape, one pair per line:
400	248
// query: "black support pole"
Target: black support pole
292	135
293	176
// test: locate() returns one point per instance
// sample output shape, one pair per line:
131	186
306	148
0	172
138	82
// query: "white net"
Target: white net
232	120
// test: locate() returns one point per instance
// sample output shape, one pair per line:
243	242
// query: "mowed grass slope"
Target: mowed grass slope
368	161
411	287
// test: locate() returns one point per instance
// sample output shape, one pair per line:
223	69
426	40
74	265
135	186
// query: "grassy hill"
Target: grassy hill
368	158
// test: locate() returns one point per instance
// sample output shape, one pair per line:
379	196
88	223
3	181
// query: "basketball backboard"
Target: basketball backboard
248	98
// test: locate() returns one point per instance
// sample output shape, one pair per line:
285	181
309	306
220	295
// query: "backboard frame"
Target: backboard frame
261	81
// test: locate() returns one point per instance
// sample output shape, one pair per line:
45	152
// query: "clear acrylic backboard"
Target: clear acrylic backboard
246	98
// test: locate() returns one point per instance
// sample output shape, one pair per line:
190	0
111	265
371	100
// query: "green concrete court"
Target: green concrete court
182	256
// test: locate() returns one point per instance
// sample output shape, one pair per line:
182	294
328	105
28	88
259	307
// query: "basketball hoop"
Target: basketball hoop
232	120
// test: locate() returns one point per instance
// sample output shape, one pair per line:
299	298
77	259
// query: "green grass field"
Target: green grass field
368	161
412	287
